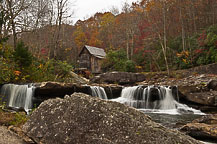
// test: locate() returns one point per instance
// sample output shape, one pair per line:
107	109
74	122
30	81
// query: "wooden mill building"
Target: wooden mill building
90	57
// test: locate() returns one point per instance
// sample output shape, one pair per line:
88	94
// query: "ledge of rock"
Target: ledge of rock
121	78
197	95
80	118
203	128
48	90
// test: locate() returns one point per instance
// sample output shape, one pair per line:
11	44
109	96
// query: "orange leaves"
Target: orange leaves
183	54
149	5
17	73
94	41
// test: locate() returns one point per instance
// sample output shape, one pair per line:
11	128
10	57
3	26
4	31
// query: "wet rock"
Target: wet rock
212	85
183	111
121	78
202	128
80	118
198	94
207	119
112	91
47	90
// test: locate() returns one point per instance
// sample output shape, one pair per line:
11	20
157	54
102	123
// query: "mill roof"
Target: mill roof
97	52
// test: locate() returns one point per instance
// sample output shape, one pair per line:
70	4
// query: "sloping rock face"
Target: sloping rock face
202	93
8	137
121	78
81	119
205	69
203	128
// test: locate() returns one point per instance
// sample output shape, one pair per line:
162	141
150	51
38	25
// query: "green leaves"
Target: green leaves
117	61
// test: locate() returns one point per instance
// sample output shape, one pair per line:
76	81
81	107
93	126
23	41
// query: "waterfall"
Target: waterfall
154	99
97	91
17	96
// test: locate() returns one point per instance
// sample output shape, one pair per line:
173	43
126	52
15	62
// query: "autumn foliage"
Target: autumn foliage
154	35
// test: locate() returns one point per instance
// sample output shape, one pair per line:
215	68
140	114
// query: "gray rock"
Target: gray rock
119	78
81	119
212	85
198	95
203	128
8	137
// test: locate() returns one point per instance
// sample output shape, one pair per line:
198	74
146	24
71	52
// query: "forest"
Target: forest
38	41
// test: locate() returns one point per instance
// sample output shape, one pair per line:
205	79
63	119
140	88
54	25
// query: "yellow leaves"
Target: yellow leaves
40	66
139	67
184	55
185	61
68	49
107	20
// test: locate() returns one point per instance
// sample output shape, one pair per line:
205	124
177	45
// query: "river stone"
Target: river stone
81	119
203	128
199	95
212	85
122	78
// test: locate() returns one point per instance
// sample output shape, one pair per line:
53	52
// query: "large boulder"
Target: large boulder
80	118
212	85
199	90
196	95
122	78
203	128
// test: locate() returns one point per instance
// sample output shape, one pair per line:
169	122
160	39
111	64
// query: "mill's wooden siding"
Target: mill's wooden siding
84	60
89	61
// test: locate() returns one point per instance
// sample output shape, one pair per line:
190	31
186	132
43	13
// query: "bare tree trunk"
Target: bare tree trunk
132	47
128	57
183	31
164	46
194	18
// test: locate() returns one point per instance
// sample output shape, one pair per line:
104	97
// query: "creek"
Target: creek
161	103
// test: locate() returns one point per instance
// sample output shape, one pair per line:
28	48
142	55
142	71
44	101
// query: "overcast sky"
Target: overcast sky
86	8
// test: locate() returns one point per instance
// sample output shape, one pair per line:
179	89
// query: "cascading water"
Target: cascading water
97	91
155	99
17	96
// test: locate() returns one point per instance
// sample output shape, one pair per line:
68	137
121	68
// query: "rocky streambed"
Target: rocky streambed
78	118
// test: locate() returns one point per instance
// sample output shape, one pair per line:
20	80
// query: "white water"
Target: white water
97	91
148	101
17	96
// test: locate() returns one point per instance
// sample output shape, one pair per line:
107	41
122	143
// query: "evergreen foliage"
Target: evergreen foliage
117	61
22	56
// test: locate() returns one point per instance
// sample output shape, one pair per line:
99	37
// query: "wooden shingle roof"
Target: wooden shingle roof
97	52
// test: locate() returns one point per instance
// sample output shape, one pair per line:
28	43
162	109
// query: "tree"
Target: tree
13	10
62	13
22	56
